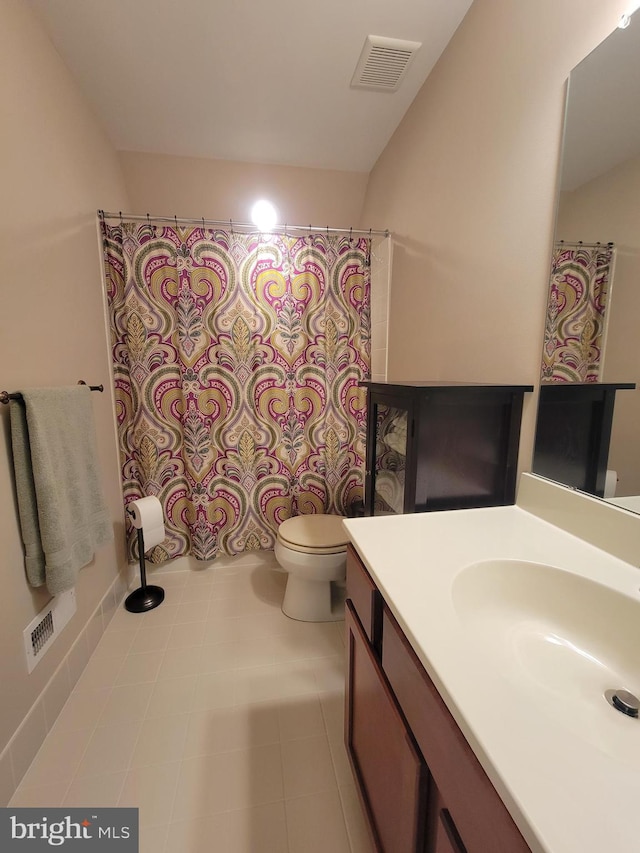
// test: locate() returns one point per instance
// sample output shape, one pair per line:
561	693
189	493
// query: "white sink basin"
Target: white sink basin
560	639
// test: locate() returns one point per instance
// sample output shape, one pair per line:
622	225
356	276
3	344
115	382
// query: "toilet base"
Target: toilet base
313	601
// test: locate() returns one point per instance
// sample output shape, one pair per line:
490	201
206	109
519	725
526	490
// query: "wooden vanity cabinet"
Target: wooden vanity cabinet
365	599
385	760
398	727
444	836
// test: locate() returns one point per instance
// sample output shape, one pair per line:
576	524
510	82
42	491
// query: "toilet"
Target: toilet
312	549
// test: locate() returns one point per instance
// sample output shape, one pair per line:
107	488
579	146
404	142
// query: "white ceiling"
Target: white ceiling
245	79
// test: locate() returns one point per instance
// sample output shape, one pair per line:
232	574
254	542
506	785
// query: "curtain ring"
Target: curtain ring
175	219
203	226
231	225
351	236
148	220
121	219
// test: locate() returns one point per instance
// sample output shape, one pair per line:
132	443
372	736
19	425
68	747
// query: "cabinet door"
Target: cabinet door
389	770
391	471
465	789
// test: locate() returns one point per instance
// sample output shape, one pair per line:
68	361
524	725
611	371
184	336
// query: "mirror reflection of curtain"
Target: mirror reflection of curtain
576	311
236	362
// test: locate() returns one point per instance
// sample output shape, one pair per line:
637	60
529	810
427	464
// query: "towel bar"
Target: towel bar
5	396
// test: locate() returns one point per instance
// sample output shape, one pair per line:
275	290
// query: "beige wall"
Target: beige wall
467	185
219	189
57	168
608	208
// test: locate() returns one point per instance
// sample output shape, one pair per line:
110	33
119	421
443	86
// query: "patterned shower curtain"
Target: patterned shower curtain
575	322
237	360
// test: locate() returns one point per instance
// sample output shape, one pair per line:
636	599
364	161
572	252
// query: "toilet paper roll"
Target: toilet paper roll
146	515
610	483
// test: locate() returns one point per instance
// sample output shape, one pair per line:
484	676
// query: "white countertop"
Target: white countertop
566	791
632	502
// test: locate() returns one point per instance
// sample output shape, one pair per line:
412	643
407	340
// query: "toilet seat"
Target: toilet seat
316	533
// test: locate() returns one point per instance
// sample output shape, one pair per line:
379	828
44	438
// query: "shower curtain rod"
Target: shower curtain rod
609	245
229	223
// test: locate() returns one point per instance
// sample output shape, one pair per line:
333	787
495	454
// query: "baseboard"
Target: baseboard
38	722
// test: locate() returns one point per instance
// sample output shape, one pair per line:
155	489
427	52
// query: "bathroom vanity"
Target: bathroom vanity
441	445
422	786
480	648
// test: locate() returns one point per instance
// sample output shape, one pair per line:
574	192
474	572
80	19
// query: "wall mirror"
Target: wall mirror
599	203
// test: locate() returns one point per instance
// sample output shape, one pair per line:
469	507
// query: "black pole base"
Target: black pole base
144	598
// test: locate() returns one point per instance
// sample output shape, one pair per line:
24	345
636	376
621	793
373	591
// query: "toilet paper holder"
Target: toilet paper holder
147	596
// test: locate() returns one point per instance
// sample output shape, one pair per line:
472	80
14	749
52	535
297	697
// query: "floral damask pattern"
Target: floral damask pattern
236	361
575	322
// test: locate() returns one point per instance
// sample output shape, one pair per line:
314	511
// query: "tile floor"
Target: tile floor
217	716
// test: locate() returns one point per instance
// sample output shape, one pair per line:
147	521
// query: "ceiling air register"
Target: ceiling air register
383	63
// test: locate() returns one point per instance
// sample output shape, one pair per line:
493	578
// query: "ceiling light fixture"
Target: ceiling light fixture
625	20
264	215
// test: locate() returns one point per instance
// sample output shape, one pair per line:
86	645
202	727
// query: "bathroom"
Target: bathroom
467	185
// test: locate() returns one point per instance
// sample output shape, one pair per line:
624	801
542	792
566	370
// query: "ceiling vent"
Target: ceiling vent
383	63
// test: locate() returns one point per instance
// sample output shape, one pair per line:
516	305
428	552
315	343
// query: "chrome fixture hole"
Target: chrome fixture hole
624	701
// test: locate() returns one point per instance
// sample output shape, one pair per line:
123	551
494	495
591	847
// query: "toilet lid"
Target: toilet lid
315	532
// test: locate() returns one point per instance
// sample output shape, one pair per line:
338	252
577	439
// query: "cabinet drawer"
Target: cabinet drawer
364	596
480	815
390	772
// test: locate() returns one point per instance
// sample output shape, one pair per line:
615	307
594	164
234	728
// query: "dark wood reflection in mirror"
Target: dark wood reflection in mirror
573	433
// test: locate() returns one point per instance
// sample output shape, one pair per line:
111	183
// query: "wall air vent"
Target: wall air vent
383	63
43	630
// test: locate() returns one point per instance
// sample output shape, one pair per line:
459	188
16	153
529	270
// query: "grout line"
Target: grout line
284	799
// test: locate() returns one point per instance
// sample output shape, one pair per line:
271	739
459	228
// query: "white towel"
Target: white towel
63	514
